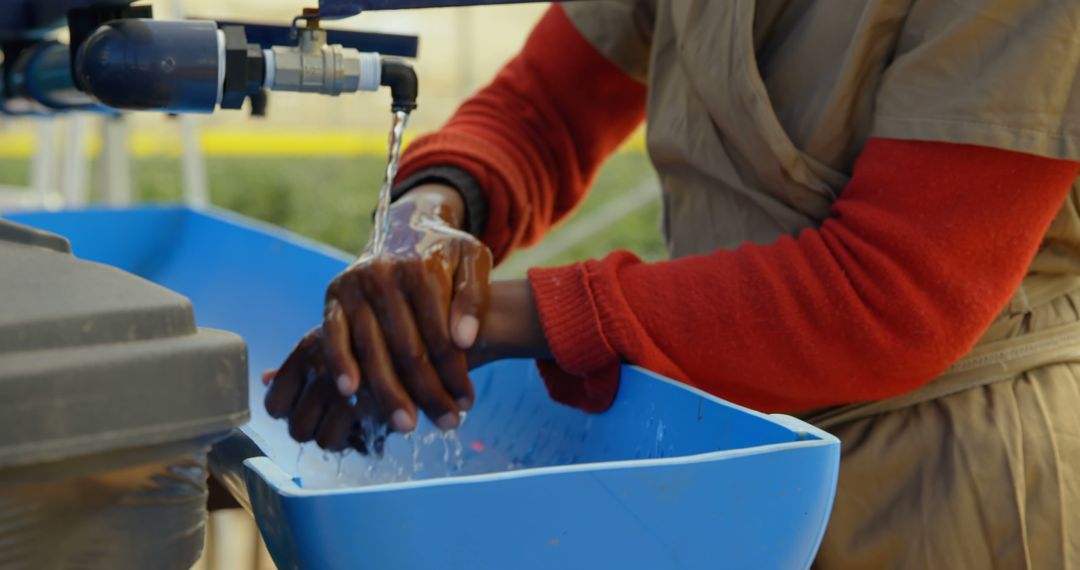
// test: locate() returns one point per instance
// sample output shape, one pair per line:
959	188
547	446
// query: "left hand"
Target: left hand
307	395
304	390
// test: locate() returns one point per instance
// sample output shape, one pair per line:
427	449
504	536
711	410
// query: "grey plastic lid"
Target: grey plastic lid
93	359
26	235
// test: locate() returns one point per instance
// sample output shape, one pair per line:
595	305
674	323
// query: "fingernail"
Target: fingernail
465	404
401	421
344	385
466	331
448	422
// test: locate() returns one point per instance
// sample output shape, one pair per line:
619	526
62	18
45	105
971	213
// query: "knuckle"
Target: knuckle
380	277
338	286
335	286
349	286
315	359
331	329
382	267
414	360
401	273
412	272
310	338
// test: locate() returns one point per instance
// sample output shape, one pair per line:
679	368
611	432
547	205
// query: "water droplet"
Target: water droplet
341	464
459	455
415	457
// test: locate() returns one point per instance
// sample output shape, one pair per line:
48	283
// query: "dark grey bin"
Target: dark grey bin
110	398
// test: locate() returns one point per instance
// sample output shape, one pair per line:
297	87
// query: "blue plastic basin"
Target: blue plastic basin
669	477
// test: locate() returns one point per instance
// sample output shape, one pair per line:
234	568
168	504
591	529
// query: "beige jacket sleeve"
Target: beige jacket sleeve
621	30
1001	73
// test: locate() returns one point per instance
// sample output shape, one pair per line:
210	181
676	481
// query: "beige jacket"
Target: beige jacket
757	111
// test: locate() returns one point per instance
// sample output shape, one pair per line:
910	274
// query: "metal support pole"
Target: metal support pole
116	161
193	164
43	167
193	177
76	164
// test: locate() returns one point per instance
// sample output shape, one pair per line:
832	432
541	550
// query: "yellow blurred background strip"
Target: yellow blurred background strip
237	143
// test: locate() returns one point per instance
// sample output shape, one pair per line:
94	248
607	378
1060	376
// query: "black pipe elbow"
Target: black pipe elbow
400	77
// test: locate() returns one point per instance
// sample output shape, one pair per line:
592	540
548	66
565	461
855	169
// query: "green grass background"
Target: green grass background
331	199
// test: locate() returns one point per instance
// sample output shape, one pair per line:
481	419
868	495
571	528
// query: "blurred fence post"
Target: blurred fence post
115	174
76	162
43	168
193	163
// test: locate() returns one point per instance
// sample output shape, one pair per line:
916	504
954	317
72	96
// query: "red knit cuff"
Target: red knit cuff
571	322
594	393
587	372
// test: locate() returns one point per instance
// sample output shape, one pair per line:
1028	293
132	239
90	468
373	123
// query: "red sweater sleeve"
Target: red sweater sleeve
535	137
922	250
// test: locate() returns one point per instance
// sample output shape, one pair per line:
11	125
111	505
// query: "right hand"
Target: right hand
397	326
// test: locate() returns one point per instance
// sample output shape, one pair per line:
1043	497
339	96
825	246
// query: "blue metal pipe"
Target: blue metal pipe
158	65
39	81
46	78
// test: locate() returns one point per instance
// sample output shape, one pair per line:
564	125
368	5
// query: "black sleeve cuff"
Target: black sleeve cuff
476	206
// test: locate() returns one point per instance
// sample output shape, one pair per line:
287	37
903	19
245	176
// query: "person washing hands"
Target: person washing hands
871	215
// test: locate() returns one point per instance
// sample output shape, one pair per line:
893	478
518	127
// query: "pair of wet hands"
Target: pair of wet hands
399	333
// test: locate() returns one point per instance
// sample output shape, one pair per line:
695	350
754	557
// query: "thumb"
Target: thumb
471	283
465	331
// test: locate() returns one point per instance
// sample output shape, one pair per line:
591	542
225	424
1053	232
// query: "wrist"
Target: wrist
437	199
512	327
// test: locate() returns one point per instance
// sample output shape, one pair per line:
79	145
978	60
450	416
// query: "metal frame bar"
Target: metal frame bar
345	8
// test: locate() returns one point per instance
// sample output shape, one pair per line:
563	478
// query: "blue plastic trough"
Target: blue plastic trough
669	477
